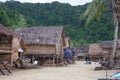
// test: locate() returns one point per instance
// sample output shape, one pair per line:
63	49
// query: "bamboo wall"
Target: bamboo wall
107	53
5	48
5	43
6	58
41	49
15	47
6	39
59	49
17	43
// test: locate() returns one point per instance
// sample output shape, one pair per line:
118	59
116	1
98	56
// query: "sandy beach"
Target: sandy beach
78	71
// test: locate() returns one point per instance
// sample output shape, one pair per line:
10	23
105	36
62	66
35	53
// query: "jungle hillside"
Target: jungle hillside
15	14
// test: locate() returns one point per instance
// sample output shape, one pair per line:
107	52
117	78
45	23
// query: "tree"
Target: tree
58	14
115	21
95	9
4	19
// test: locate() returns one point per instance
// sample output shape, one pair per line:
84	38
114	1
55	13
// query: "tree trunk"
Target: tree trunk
115	39
115	21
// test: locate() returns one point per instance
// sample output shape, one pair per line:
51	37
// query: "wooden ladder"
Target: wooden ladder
4	69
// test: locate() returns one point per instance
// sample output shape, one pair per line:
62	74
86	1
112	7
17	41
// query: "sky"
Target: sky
72	2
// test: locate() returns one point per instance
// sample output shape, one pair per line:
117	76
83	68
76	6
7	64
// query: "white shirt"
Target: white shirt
35	62
20	50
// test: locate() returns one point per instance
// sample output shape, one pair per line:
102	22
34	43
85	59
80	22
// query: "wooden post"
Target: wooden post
38	59
11	58
53	60
32	58
54	56
56	60
49	58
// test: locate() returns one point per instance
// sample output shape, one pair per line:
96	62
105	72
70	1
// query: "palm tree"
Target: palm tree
115	21
95	9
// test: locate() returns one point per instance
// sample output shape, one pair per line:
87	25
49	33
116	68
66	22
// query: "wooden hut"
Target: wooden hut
107	47
95	52
82	52
6	37
7	48
43	43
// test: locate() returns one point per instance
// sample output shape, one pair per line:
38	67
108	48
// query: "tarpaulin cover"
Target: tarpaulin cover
116	75
68	53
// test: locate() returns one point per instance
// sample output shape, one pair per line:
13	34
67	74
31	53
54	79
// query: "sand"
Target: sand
78	71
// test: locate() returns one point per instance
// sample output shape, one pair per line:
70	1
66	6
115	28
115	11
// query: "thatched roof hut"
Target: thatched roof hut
95	52
43	40
82	50
95	49
107	47
6	44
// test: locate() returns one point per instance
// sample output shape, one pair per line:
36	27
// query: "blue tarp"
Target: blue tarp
116	75
68	53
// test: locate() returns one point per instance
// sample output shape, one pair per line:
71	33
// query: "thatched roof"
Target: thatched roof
4	30
95	49
41	35
109	44
106	44
82	49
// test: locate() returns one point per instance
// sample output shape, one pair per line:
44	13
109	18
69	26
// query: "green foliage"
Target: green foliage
15	14
4	19
94	9
11	18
